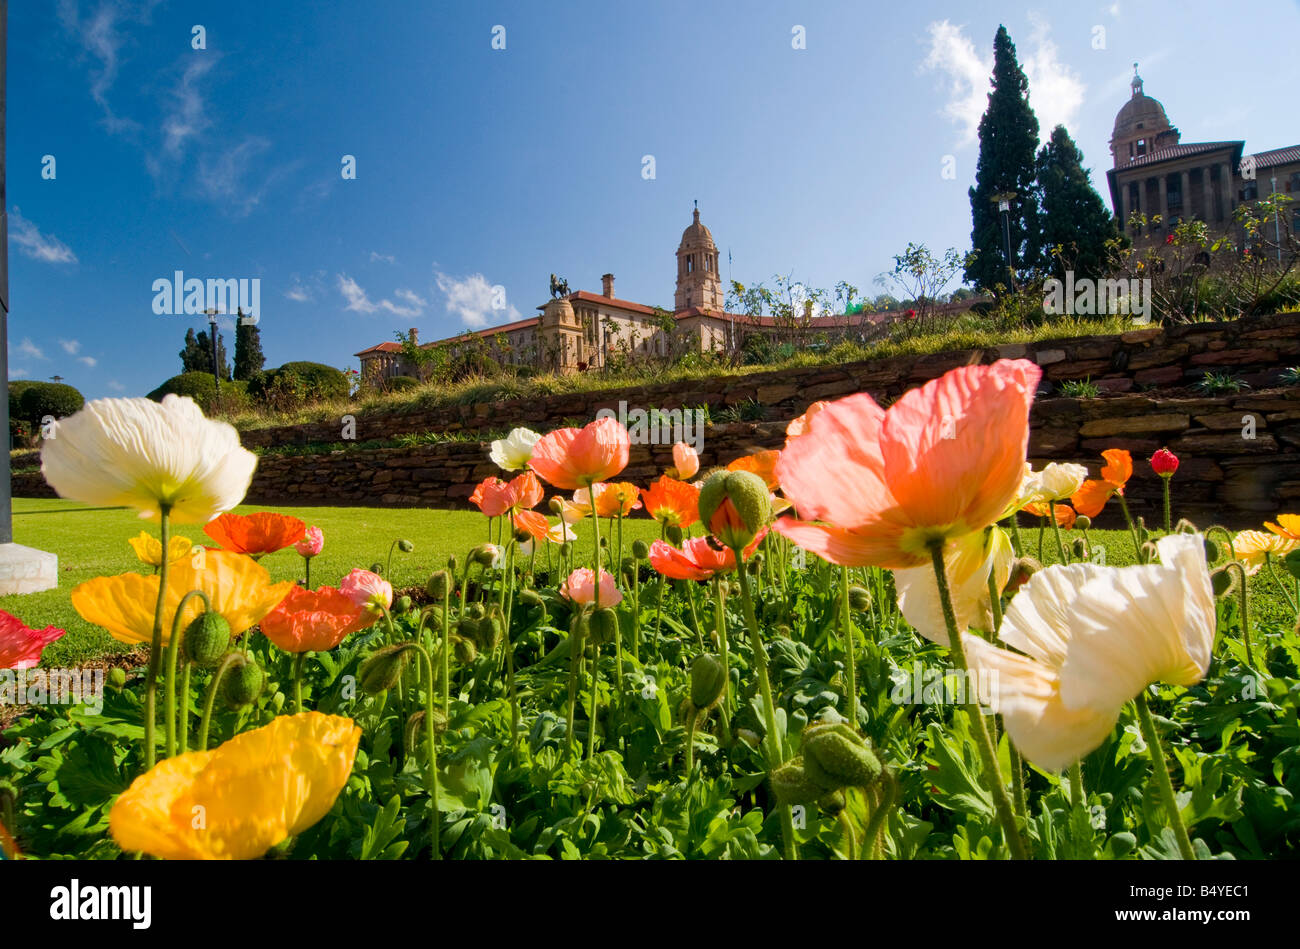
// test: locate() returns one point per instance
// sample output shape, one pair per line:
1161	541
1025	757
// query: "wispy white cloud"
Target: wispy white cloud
376	257
359	301
475	300
70	346
298	293
116	386
90	361
101	36
1056	91
29	349
28	238
187	117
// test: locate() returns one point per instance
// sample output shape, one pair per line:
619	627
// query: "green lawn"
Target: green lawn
92	542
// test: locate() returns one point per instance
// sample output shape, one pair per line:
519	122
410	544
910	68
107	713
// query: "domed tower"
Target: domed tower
698	283
1141	127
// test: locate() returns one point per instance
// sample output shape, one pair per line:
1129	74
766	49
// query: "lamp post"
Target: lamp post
1003	200
1277	224
213	340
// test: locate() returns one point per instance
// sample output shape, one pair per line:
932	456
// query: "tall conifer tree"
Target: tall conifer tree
1073	213
1008	142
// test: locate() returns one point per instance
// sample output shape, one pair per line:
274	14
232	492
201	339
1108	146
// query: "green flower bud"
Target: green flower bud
484	555
401	605
522	536
832	803
859	599
242	684
556	506
1211	550
790	785
453	564
530	597
1143	534
1184	526
377	569
640	549
439	585
382	668
604	625
754	565
1083	522
735	506
405	546
117	678
1223	581
489	632
433	617
206	639
415	726
475	611
835	756
1079	547
783	631
673	534
1292	563
708	679
466	651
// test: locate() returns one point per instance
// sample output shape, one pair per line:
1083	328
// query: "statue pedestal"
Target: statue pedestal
27	570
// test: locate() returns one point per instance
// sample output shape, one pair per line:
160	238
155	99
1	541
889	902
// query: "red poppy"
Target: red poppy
696	560
20	645
255	534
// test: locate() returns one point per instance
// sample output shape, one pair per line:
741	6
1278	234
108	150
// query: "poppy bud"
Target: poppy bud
604	542
859	599
1164	463
453	564
1021	570
556	506
439	585
754	566
735	506
640	550
491	629
673	535
1079	547
835	756
475	611
117	678
1148	553
206	639
415	725
405	546
433	615
377	569
485	555
1211	550
782	631
522	536
1083	522
604	625
242	684
1141	530
401	605
382	668
790	785
1223	581
1292	563
708	679
530	597
1184	526
628	568
466	651
832	803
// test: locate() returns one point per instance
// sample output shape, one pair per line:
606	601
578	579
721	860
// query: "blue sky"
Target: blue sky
479	167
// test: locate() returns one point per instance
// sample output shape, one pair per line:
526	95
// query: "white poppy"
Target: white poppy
561	533
967	564
142	454
1094	637
513	452
1059	481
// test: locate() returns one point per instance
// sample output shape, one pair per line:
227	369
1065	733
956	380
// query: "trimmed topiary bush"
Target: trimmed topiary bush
39	399
201	387
299	383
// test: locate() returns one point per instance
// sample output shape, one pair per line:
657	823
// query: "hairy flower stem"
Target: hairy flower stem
299	660
691	718
1272	572
213	688
1017	767
636	612
595	694
173	648
1245	608
687	589
873	838
183	730
1077	797
431	736
1060	544
577	643
988	753
1128	519
155	646
769	707
1161	769
1016	542
847	631
720	622
1164	488
509	647
306	561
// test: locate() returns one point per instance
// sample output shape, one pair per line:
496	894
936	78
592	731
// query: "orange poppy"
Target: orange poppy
761	463
1287	526
1065	515
616	497
525	492
674	502
696	560
492	496
264	532
534	523
1092	497
314	620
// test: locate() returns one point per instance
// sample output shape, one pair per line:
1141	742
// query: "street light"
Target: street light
1277	224
1003	200
212	314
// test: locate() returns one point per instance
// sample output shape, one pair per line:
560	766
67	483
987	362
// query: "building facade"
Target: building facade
1156	173
586	330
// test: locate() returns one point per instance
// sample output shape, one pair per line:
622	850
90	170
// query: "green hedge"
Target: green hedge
32	401
202	388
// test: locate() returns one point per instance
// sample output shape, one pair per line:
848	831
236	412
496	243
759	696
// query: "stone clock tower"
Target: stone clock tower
698	283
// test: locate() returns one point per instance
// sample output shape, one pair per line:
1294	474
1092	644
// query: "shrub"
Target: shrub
39	399
298	383
401	383
201	387
1220	383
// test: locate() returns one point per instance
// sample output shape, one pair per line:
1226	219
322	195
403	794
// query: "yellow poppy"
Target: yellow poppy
238	588
239	800
1253	547
149	548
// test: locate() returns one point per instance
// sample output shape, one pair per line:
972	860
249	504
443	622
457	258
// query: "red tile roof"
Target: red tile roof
1178	151
1277	156
381	348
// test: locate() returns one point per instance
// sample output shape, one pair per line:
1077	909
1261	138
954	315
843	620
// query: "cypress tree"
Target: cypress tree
205	347
249	360
1073	213
195	358
1008	142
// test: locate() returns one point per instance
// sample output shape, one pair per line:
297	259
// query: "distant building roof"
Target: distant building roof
1277	156
381	348
1178	151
